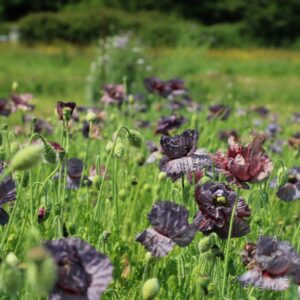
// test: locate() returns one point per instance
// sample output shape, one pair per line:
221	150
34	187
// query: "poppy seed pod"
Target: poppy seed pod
135	139
150	289
27	158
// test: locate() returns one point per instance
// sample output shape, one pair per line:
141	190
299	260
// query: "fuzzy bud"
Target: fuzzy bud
204	244
150	289
10	278
283	178
135	139
27	158
11	259
91	117
122	194
49	153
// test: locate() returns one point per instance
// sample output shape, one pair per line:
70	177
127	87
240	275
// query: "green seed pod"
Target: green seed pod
10	278
135	138
91	117
49	153
2	153
41	271
150	289
119	150
27	158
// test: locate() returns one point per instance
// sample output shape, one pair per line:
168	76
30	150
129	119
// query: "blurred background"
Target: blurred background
226	50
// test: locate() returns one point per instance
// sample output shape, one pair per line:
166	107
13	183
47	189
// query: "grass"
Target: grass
237	77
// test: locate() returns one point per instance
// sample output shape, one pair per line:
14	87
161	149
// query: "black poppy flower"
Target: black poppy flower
219	111
61	106
274	265
170	228
7	194
179	155
113	94
5	110
291	190
165	124
21	101
243	164
83	272
216	202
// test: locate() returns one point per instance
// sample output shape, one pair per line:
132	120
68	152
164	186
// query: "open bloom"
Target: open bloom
220	111
216	202
272	265
166	124
21	101
170	228
113	94
7	194
291	190
83	272
179	155
243	164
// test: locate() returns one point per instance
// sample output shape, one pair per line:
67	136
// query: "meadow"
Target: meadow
108	204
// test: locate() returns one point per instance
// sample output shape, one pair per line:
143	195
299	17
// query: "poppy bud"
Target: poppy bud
205	244
106	234
150	289
135	139
148	256
161	176
122	194
25	180
109	146
14	86
11	259
27	158
119	150
97	181
91	117
134	180
49	153
2	154
10	277
147	188
205	179
283	178
41	271
131	99
203	281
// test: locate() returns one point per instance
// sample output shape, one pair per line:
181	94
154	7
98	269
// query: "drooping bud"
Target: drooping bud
283	178
135	139
49	153
150	289
27	158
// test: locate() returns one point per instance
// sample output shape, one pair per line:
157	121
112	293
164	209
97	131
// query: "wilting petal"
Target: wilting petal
177	167
159	245
255	277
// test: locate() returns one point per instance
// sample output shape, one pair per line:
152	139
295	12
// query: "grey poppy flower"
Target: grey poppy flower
83	272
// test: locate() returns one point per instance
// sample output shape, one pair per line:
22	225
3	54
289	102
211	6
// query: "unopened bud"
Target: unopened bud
150	289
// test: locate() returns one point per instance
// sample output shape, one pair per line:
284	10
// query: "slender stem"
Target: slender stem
228	242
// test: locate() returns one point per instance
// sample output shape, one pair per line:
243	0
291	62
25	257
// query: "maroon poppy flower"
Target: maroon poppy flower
274	265
165	124
170	228
291	190
61	106
220	111
7	195
5	110
83	272
113	94
179	155
242	164
216	202
21	102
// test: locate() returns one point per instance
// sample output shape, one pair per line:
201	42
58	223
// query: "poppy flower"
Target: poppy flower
261	110
39	125
5	110
165	124
291	190
216	202
170	228
7	194
272	130
83	272
244	164
274	265
21	101
113	94
61	106
179	155
219	111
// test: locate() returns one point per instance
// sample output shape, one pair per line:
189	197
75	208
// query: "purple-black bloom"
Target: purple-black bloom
165	124
291	190
5	110
220	111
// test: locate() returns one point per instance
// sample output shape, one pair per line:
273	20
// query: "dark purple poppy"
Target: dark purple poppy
243	164
274	265
21	102
5	110
170	228
272	130
165	124
61	106
179	155
7	194
83	272
291	190
261	110
219	111
215	202
39	125
113	94
74	174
